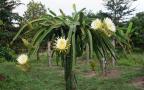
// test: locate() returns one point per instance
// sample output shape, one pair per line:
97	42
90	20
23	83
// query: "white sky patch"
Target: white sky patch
66	5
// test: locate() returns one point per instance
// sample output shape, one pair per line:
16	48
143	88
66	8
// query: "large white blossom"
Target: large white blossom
22	59
109	24
61	44
96	24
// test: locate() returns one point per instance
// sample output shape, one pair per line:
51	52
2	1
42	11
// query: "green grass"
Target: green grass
41	77
133	59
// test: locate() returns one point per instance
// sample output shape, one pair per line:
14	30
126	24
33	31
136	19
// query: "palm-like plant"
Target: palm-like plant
77	30
123	37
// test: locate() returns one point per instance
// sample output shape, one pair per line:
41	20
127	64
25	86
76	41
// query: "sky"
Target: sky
66	5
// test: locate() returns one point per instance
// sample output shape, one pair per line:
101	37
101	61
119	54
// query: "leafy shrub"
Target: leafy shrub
138	25
7	54
93	65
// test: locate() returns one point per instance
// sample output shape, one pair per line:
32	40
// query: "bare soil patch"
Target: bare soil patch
138	82
2	77
114	73
90	74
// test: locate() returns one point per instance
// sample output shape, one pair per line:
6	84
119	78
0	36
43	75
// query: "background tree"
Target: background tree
138	26
34	10
7	28
119	9
8	17
6	14
100	14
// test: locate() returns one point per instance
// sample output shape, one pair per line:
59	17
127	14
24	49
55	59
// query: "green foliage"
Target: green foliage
101	15
138	26
7	17
7	54
6	14
123	37
76	28
34	10
93	65
133	59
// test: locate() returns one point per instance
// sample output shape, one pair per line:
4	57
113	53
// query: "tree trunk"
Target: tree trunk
37	55
87	54
69	74
49	53
113	59
103	64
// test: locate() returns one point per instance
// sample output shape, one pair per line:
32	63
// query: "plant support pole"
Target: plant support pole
69	76
49	53
87	53
113	59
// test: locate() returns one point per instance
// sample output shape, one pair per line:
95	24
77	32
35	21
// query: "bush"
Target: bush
93	65
7	54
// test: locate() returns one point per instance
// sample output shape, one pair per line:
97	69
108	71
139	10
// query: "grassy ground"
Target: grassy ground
42	77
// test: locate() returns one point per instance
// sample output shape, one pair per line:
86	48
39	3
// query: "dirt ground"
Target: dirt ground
2	77
138	82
